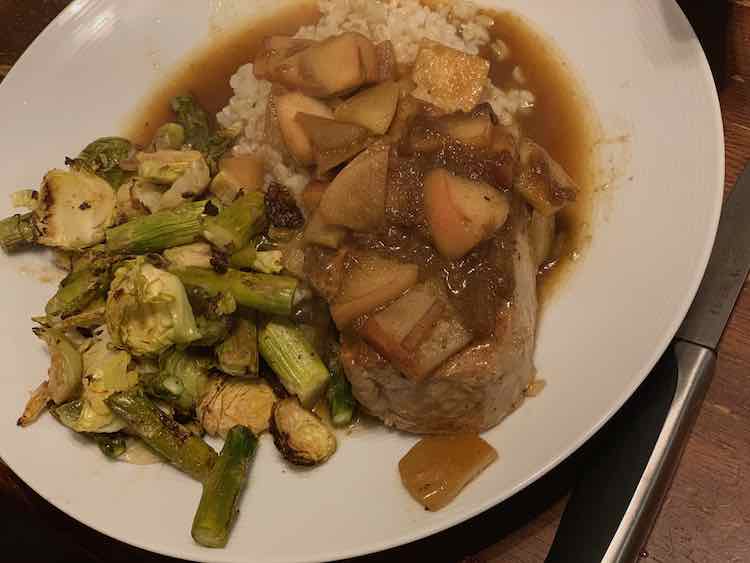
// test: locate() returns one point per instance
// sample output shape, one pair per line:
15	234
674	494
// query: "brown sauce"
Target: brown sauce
206	72
560	120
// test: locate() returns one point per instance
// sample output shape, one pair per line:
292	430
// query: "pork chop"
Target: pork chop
473	390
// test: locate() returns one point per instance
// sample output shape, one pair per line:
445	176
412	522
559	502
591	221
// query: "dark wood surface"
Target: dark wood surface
706	513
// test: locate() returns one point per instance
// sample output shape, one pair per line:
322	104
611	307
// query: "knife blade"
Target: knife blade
631	461
726	272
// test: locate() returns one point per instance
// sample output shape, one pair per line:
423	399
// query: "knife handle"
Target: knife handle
632	461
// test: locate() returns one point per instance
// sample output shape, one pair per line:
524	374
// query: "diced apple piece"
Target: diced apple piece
474	130
387	64
450	79
335	65
368	54
271	129
387	330
504	147
294	135
248	170
437	468
504	142
356	197
404	314
425	326
461	213
543	183
324	269
237	173
447	337
385	343
541	236
441	336
373	108
312	194
273	60
318	231
408	108
371	283
333	142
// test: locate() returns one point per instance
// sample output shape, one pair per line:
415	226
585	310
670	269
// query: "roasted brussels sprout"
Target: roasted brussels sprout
103	157
230	401
300	435
148	310
170	136
105	371
75	208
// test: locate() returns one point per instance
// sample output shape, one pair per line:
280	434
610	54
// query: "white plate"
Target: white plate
642	66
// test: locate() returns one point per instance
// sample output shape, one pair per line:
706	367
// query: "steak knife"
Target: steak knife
631	461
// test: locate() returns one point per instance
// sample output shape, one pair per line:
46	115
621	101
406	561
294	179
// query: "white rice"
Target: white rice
405	23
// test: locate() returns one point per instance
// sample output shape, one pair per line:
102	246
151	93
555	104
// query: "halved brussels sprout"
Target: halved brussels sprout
229	402
148	310
105	371
300	435
75	208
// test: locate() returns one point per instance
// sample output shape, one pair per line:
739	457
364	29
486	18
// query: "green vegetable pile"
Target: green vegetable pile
176	318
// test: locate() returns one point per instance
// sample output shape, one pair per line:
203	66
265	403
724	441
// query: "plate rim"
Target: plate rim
407	538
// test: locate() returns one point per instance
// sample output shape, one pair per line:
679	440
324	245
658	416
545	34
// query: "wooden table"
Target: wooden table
706	514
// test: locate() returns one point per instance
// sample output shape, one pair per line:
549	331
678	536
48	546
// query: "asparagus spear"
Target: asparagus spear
238	354
237	223
264	292
79	289
265	261
293	359
17	231
161	433
221	490
90	317
164	229
340	398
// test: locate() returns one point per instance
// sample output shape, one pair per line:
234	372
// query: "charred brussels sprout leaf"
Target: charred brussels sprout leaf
103	157
200	131
195	121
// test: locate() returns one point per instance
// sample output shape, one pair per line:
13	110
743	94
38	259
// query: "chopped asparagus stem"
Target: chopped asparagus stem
221	490
79	289
264	261
264	292
17	231
164	229
295	362
236	224
243	259
163	434
340	398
